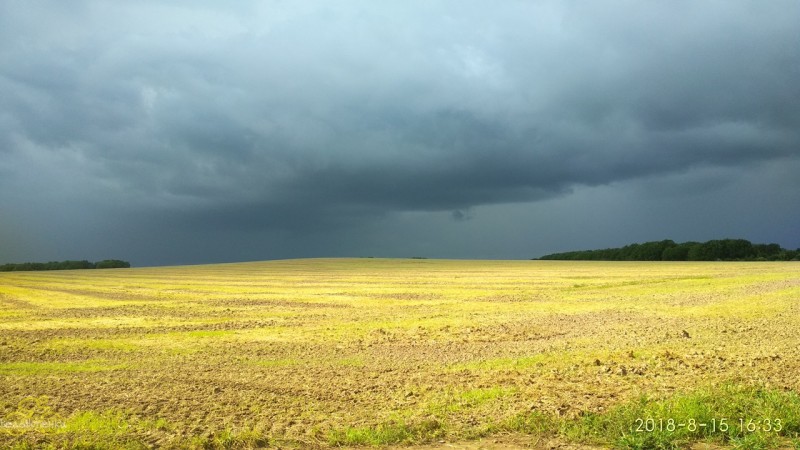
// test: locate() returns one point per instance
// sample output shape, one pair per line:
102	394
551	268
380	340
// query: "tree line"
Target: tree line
668	250
65	265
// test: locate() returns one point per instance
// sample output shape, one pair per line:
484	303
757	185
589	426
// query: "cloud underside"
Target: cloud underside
273	116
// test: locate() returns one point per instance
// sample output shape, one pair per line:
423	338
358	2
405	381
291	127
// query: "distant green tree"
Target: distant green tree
668	250
652	251
64	265
679	252
75	265
738	249
698	252
767	251
112	264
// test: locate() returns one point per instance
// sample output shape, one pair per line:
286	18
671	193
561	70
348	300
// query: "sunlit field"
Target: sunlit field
350	352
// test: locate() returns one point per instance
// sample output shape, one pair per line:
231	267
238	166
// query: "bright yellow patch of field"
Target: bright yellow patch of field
297	351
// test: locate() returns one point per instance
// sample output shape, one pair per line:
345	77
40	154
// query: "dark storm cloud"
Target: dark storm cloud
306	116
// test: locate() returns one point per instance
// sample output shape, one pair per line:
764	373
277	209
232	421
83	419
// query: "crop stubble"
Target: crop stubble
298	349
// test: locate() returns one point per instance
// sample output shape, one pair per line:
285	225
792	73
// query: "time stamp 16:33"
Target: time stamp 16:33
721	425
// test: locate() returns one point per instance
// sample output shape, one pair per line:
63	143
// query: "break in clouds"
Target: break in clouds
151	128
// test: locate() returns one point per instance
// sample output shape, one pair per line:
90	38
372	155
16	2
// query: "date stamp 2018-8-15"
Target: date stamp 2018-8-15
739	425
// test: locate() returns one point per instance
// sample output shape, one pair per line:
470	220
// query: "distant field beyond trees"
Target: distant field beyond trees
668	250
65	265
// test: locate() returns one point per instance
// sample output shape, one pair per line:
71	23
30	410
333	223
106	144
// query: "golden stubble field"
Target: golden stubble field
326	352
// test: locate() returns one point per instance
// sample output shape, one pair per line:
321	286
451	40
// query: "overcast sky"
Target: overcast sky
167	132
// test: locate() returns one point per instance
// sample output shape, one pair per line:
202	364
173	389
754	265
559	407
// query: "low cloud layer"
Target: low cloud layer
261	118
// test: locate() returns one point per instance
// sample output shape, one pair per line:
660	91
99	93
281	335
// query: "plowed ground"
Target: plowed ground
316	353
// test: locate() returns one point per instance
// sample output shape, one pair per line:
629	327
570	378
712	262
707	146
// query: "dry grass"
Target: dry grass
373	351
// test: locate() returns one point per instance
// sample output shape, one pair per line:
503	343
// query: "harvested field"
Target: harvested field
348	352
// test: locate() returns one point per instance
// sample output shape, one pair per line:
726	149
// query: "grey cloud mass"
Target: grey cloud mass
172	132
